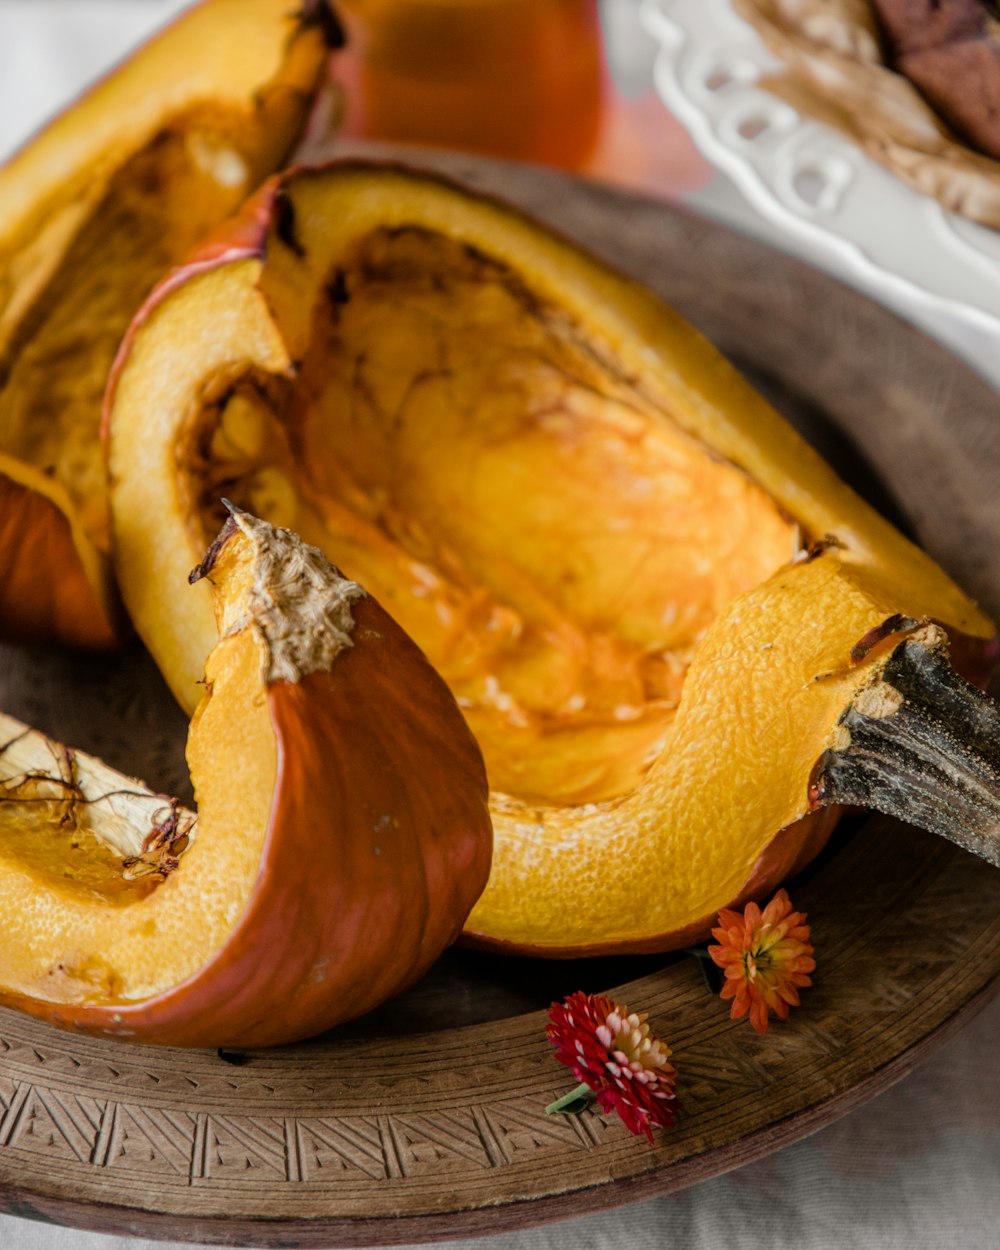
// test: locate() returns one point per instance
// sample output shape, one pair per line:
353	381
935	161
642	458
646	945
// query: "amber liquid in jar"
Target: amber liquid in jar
521	79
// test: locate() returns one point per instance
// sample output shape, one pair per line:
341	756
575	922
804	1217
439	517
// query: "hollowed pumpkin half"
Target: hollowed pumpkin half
93	211
643	588
342	832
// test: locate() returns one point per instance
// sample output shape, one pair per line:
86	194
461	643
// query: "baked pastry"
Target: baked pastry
913	25
915	83
950	51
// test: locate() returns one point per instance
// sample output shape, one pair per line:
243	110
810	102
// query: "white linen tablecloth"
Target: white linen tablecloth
917	1169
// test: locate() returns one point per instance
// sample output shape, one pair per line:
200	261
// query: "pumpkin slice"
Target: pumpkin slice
647	593
342	832
92	211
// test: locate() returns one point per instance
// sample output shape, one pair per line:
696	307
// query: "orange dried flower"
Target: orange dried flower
766	957
617	1060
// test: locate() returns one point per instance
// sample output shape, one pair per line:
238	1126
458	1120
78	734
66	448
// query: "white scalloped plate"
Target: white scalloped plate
807	179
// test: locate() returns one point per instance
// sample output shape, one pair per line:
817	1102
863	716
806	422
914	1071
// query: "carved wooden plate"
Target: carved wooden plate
426	1119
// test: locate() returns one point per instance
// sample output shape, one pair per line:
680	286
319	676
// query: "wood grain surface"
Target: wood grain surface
426	1119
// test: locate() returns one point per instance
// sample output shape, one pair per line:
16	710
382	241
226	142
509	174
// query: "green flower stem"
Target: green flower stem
574	1102
710	970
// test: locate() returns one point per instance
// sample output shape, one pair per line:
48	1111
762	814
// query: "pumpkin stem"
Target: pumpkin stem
923	745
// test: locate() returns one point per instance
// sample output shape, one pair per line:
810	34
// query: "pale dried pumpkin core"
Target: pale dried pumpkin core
61	326
552	540
79	924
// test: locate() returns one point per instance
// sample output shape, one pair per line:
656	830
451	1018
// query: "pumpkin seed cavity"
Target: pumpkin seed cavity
552	540
69	323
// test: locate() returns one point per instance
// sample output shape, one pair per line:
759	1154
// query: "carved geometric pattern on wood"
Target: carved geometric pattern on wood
49	1123
330	1148
517	1132
239	1149
438	1143
254	1151
147	1140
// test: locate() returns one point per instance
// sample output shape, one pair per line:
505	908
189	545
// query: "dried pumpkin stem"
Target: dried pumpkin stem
923	745
148	830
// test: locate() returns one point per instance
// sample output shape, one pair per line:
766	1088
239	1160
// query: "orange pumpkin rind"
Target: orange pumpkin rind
93	210
341	839
645	590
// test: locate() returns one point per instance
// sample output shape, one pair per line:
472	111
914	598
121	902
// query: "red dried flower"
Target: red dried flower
613	1054
765	955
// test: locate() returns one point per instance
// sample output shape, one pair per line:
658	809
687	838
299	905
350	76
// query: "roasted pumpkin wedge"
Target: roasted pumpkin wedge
654	602
99	205
342	832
